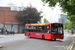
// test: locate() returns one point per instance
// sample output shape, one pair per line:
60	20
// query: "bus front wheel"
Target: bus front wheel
43	37
54	39
29	36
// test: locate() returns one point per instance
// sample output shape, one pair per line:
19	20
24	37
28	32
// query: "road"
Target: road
25	43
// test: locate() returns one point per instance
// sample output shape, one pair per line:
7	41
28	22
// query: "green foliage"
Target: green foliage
64	27
68	6
73	24
68	25
29	15
71	18
46	21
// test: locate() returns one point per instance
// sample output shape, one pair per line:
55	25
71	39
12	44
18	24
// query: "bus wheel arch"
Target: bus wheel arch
29	35
43	37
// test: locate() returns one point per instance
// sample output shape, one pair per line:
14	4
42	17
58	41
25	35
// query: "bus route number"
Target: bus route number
56	25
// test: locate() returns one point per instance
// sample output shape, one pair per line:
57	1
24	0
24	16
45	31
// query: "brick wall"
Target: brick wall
6	15
5	8
1	16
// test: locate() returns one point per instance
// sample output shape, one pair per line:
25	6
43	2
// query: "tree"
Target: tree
29	15
46	21
68	6
68	25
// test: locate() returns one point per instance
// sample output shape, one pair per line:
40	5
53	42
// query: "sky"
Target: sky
48	13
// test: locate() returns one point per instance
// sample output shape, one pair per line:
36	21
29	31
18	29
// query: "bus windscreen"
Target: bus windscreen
57	29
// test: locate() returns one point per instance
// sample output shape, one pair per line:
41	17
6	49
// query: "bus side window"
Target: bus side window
27	28
39	29
42	29
34	29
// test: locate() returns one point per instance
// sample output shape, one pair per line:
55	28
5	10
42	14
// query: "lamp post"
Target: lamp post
4	24
11	26
4	19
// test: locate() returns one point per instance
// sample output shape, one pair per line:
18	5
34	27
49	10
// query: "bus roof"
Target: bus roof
40	24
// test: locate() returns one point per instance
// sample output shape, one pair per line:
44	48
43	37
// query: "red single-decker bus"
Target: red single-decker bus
45	30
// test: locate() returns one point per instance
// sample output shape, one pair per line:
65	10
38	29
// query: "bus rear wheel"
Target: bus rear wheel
29	36
43	37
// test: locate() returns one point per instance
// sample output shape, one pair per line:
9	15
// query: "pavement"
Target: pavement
1	45
74	41
5	38
15	37
73	35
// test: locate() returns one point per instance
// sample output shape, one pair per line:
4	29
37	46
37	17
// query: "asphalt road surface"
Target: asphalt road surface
37	44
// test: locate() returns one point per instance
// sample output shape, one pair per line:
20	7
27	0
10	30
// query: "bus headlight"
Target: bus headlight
52	35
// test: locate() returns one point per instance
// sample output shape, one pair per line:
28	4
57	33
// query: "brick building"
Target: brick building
8	19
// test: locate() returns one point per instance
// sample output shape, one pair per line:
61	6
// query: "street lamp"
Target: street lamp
11	26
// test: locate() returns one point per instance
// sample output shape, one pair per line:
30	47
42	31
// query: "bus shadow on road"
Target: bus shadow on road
57	40
54	40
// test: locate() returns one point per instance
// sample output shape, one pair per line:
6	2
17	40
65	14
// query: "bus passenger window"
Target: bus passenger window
42	28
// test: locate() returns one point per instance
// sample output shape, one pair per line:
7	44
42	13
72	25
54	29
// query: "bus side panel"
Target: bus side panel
38	35
47	35
32	34
27	33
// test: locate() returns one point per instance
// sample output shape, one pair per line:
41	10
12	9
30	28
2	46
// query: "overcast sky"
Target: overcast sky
49	14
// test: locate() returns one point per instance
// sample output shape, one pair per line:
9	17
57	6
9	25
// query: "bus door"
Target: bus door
47	32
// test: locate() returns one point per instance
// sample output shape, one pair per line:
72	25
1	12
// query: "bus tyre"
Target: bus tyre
29	36
43	37
54	39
